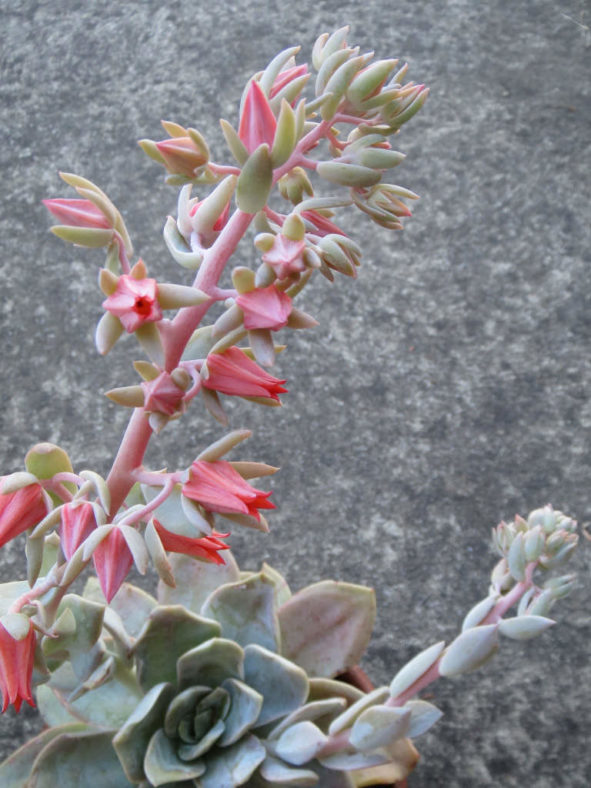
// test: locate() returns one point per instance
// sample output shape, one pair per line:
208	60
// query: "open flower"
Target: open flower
234	373
78	522
265	307
285	256
220	488
134	302
205	547
17	649
21	510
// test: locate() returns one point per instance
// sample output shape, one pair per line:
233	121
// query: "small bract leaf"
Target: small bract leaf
525	627
348	717
274	771
300	743
469	650
379	726
414	669
255	181
423	716
479	612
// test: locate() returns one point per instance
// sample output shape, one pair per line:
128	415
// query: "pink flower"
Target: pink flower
181	156
233	372
162	395
77	213
78	522
134	302
285	256
21	510
257	122
16	660
265	307
219	488
112	561
285	77
206	547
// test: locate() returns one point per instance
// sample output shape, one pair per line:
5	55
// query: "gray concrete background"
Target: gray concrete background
445	389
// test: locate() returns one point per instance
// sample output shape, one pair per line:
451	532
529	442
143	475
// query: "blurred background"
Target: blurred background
445	389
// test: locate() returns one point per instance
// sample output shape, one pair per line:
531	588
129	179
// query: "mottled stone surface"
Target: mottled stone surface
446	388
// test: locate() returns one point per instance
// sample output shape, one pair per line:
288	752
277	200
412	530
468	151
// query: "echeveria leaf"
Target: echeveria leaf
77	641
524	627
245	707
78	759
132	740
15	770
403	758
246	611
107	706
182	706
195	580
326	627
169	632
162	765
210	664
416	668
322	689
281	589
283	685
233	765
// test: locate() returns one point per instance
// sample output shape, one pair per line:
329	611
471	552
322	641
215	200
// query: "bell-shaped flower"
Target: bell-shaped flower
323	226
21	510
181	156
134	302
17	650
257	121
220	488
78	522
205	547
77	213
234	373
162	395
265	307
285	256
112	561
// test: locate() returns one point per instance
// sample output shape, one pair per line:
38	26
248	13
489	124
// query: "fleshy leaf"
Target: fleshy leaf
245	707
15	770
133	738
78	759
246	611
325	628
379	726
469	650
413	670
76	642
349	716
168	633
210	663
132	604
283	685
423	716
162	765
195	580
403	759
329	707
233	765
